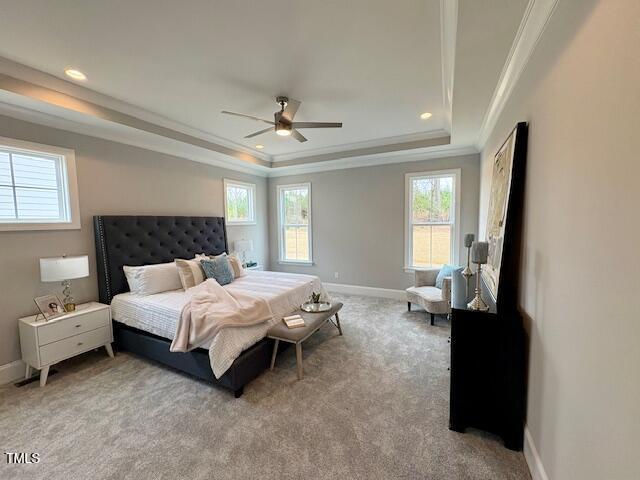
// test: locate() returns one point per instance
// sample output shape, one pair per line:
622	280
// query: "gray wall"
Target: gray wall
580	264
358	220
112	179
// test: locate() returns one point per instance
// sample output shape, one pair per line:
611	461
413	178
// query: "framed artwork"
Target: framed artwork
497	231
50	306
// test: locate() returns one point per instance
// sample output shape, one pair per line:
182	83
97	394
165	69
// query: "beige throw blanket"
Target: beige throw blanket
213	308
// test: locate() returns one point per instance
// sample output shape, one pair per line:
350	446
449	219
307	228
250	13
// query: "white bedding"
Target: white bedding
159	313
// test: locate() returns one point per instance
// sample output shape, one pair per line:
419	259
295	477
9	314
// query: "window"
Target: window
239	202
38	187
431	205
294	208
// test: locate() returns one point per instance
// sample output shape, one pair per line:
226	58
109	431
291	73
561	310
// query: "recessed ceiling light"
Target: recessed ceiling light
425	115
259	146
75	74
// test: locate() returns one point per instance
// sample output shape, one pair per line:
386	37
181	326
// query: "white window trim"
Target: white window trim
252	203
408	238
70	186
281	257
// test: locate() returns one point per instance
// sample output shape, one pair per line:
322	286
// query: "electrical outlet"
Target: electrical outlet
336	275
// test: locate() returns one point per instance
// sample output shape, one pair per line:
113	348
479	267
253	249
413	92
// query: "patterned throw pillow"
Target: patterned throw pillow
236	264
219	268
190	272
204	256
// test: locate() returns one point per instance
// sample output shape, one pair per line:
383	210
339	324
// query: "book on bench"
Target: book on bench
294	321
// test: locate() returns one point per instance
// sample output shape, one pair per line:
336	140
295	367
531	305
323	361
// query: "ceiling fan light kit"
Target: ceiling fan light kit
283	130
283	123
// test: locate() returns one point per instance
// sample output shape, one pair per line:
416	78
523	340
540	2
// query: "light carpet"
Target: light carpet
373	405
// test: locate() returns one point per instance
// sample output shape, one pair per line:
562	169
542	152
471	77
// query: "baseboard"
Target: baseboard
536	468
11	372
366	291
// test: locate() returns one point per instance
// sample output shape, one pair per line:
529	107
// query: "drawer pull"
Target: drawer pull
79	325
79	343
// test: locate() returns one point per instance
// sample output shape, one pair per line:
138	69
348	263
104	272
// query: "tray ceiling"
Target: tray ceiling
374	65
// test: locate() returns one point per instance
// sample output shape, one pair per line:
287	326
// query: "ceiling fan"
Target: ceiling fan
283	121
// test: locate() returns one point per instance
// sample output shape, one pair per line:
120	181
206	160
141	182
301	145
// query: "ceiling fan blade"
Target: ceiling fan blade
248	116
298	136
255	134
317	125
291	109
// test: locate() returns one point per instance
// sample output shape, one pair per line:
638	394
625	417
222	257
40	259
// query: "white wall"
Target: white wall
580	94
358	220
113	179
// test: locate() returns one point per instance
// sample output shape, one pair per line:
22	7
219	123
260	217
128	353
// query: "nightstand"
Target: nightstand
255	267
46	343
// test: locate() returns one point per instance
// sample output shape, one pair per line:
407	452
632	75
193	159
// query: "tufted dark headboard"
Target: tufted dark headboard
144	240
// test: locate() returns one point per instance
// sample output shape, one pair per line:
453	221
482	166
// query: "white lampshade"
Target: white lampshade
57	269
243	245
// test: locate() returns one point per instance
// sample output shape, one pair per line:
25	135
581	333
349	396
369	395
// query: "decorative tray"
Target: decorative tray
316	307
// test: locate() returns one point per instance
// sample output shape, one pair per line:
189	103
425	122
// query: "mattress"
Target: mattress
160	313
157	314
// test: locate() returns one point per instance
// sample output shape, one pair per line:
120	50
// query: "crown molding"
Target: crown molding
80	93
448	35
386	158
34	96
534	21
40	86
392	148
345	147
130	136
52	98
98	128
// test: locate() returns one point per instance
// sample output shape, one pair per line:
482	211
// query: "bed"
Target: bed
145	325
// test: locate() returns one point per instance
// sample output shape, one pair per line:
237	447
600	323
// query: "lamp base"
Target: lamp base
477	304
68	301
467	272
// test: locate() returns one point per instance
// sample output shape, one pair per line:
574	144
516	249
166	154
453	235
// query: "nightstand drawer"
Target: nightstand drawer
67	327
56	351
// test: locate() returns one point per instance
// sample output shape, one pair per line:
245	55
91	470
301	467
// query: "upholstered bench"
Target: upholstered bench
313	322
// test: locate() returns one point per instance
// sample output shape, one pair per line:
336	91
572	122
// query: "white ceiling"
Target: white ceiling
375	65
372	64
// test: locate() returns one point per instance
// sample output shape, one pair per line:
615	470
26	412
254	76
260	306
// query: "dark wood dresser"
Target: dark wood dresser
488	374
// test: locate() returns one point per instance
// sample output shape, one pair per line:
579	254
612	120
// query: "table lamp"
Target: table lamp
468	242
479	256
64	269
243	246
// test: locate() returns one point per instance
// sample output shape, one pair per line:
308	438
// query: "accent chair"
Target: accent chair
434	300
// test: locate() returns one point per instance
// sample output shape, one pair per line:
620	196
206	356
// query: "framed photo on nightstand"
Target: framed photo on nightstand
50	306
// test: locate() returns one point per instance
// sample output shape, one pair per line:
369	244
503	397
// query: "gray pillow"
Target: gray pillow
219	269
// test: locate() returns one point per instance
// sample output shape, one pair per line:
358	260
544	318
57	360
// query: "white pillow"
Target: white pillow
150	279
236	264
